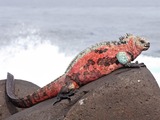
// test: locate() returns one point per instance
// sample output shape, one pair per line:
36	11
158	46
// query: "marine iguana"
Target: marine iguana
91	64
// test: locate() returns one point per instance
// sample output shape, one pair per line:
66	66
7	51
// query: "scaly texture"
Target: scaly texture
91	64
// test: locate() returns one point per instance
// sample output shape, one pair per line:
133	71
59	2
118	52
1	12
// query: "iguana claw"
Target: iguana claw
62	96
135	65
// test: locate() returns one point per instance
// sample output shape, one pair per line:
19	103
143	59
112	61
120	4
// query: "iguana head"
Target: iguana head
139	42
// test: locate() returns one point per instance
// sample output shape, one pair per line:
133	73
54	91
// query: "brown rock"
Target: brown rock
126	94
21	88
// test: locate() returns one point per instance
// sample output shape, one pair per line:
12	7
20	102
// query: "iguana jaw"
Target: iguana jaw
146	46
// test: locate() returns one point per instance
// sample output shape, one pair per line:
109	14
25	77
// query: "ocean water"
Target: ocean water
39	40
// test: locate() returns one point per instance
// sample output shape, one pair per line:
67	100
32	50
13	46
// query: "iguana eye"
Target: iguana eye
142	41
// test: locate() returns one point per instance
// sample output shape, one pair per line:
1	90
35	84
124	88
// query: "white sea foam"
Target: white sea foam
153	64
39	64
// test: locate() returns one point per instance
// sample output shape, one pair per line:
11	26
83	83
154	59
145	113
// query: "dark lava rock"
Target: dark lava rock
21	88
126	94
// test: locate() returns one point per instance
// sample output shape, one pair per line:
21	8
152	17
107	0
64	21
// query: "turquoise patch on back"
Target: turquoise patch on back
122	57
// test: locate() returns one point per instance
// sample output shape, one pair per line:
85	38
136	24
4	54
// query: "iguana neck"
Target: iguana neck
133	48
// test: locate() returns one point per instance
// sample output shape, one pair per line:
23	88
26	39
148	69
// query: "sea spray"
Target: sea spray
153	64
39	64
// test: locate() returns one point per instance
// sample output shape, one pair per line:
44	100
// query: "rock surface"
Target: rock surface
21	88
126	94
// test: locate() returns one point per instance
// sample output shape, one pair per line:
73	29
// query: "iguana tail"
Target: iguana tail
48	91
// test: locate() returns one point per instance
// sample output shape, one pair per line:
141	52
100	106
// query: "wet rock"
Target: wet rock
21	88
126	94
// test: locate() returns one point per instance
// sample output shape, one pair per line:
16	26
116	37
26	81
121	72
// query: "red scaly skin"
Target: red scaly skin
89	65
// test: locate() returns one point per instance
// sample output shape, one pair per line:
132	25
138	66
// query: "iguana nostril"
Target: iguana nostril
148	44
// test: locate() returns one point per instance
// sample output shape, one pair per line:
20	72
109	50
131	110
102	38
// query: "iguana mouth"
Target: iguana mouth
146	46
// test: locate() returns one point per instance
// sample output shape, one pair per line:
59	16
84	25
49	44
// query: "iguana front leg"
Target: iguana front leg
135	65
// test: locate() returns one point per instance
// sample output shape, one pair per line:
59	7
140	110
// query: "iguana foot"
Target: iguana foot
135	65
62	96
